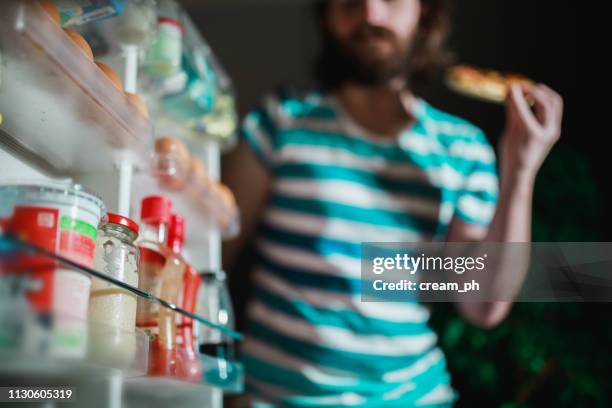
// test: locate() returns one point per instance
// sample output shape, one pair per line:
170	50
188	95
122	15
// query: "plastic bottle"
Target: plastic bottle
155	216
162	359
189	366
164	56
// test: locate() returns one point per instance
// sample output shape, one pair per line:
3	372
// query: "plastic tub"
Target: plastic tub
63	219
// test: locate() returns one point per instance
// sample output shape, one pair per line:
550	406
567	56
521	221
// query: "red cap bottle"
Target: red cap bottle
155	210
188	365
176	233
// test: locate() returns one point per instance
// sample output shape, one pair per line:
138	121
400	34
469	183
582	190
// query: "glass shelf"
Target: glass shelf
11	247
36	342
51	343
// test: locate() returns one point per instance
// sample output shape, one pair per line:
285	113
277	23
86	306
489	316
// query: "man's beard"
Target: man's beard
339	63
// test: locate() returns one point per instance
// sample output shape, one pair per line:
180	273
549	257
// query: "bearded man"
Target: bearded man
364	159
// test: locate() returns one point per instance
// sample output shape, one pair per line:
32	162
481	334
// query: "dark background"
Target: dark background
543	354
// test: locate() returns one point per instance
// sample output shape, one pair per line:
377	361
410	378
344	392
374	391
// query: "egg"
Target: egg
198	175
172	163
138	103
227	195
225	205
200	188
51	10
174	147
80	42
111	74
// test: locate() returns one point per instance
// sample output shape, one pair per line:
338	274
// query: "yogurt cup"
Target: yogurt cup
63	219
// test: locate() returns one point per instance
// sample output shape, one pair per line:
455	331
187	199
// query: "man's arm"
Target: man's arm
527	139
244	174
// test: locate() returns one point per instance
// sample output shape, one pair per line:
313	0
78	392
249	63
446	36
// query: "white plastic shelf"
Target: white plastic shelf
31	352
149	392
57	105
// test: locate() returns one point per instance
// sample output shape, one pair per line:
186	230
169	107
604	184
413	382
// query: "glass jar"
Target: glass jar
216	348
112	309
214	305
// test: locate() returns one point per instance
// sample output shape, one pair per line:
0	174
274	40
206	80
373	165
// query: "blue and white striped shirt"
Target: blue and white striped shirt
310	340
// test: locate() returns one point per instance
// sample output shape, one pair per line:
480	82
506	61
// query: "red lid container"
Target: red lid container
121	220
176	232
155	209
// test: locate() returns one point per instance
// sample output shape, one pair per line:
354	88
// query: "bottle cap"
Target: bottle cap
176	232
170	21
155	209
121	220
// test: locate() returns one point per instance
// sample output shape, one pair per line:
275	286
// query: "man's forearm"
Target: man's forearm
511	224
512	220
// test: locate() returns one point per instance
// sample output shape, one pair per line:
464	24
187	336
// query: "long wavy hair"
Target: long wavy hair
427	55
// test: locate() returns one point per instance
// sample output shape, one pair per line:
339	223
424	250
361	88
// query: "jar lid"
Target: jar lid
18	192
171	21
121	220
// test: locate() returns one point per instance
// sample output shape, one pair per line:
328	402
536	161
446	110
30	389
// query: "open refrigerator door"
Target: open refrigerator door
126	101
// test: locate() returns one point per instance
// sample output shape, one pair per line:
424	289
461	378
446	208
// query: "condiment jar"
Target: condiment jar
112	309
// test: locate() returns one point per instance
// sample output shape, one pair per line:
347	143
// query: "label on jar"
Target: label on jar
38	226
77	240
71	294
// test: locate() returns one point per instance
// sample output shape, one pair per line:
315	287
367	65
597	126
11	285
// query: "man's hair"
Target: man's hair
427	55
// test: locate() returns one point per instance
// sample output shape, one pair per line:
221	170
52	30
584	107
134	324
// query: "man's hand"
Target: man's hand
529	134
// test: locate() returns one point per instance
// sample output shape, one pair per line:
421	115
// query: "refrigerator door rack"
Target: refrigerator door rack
64	119
58	104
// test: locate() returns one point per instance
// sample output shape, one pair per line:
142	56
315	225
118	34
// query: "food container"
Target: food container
116	256
62	219
137	24
164	56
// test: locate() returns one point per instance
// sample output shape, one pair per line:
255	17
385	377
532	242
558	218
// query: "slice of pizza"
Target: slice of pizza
484	84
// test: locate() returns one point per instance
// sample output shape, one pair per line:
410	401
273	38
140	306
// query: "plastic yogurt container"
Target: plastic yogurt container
63	219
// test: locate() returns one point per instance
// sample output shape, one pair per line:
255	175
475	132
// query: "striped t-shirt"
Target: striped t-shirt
311	342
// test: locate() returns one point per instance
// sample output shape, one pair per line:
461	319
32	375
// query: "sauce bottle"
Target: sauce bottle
163	352
189	366
155	216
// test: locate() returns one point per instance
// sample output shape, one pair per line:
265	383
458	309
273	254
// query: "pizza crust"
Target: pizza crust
482	84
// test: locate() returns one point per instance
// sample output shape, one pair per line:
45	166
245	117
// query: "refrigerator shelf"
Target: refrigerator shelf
12	248
40	345
57	104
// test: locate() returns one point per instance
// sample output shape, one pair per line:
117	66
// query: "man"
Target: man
366	160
